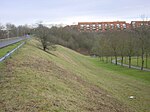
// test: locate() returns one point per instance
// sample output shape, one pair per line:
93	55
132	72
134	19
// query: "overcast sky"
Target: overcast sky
71	11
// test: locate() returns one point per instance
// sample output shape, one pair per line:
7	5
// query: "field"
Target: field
64	80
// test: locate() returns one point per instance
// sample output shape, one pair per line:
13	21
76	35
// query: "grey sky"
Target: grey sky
69	11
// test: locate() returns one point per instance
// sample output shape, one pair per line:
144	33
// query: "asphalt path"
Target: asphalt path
5	43
135	67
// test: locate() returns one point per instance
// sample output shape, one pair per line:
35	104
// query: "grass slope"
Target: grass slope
64	80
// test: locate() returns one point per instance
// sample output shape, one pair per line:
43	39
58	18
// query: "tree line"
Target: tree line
112	44
109	44
10	30
126	43
71	38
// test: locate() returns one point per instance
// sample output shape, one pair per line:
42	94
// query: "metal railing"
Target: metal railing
10	53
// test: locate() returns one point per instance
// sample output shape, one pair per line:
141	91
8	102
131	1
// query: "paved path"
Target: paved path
5	43
135	67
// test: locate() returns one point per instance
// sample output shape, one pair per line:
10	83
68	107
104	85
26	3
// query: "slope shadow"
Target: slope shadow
46	51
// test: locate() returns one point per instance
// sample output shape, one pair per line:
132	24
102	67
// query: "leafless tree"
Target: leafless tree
122	40
144	42
113	36
42	32
130	45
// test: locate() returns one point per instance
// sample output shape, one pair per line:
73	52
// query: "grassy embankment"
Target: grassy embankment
63	80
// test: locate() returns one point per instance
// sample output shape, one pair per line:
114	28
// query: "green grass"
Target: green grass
64	80
134	62
7	49
138	74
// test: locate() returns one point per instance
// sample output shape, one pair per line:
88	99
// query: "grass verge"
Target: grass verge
7	49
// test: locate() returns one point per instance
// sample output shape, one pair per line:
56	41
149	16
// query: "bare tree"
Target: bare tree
144	42
122	45
11	29
113	36
130	45
42	32
3	31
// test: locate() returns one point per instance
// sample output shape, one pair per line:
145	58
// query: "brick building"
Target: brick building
135	24
104	26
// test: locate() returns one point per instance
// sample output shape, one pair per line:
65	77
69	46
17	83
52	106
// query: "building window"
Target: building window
109	26
94	27
112	26
88	27
81	27
124	26
118	26
106	26
100	26
133	24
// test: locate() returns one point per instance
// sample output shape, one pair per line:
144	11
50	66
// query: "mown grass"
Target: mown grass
134	62
7	49
138	74
64	80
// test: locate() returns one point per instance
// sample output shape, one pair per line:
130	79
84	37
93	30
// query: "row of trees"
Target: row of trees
10	30
109	44
126	43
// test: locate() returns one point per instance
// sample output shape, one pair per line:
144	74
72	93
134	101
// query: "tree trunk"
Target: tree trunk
106	59
121	60
146	59
111	59
142	59
137	60
129	61
44	48
116	59
125	59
